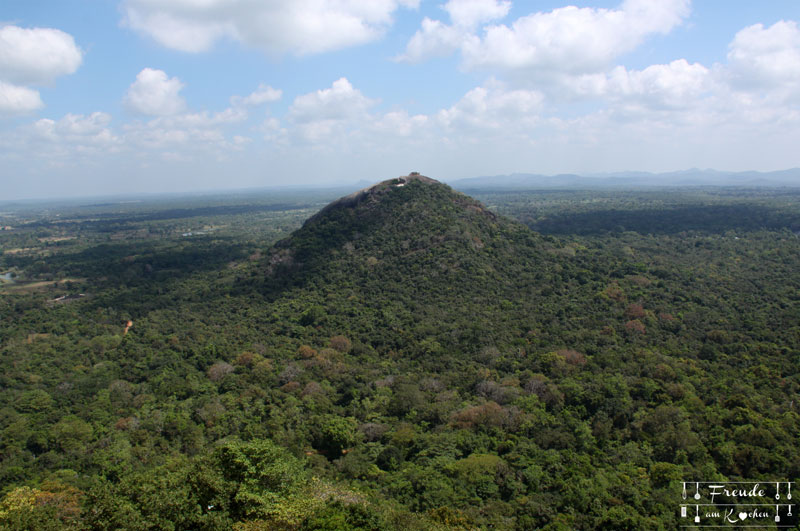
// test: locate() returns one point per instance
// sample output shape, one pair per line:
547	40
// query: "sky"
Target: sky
101	97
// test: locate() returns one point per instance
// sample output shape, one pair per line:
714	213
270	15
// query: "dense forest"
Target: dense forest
406	357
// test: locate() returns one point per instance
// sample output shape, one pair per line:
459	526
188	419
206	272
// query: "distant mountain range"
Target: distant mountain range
691	177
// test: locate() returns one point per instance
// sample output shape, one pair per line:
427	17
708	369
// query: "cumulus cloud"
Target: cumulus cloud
275	26
338	102
573	39
564	97
568	40
71	125
436	38
766	58
186	135
470	13
159	136
342	119
677	85
200	120
264	94
78	125
17	100
493	107
399	123
155	94
32	56
73	133
172	127
324	112
36	55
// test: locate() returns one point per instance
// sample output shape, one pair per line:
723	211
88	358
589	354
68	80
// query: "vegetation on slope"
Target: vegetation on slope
406	359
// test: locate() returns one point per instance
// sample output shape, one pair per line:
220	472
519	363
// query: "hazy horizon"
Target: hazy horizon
603	180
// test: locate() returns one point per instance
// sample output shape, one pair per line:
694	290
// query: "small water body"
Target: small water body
7	277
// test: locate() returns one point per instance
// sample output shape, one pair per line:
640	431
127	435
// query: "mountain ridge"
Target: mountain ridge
690	177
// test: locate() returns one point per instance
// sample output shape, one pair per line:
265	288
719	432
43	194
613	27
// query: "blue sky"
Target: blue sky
100	97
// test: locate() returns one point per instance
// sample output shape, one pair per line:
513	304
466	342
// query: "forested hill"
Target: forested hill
394	225
403	359
427	270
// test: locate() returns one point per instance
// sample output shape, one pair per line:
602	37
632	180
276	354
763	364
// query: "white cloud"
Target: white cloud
18	100
203	119
152	136
470	13
36	55
320	114
493	107
77	125
177	28
182	136
264	94
186	136
399	123
568	40
766	58
436	39
566	103
72	134
32	56
571	39
675	85
171	131
154	94
74	140
338	102
661	16
340	119
239	142
274	26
